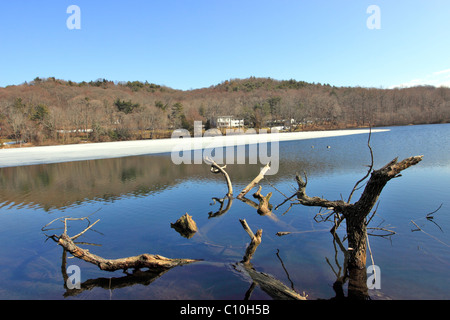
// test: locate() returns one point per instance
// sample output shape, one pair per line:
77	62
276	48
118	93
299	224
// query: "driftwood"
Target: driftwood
254	182
264	207
273	287
215	168
255	241
153	262
185	226
136	277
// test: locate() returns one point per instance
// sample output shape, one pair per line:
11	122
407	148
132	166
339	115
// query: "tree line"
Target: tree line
52	111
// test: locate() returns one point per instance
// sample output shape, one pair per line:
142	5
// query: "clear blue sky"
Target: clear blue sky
188	44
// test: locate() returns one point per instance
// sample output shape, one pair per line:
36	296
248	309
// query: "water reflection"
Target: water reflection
56	186
140	196
273	287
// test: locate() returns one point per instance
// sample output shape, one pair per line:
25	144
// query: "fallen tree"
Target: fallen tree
150	261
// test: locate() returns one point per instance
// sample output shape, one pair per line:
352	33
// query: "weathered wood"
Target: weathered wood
255	241
154	262
264	207
254	182
272	286
355	214
215	168
305	200
150	261
185	226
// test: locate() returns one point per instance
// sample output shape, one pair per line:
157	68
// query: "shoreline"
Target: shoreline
15	157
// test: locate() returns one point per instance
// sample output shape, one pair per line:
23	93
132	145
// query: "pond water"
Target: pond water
137	199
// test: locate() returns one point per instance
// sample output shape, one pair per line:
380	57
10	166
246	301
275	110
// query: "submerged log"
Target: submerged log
270	285
273	287
150	261
153	262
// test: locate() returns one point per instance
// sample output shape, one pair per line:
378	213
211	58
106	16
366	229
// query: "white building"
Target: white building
229	122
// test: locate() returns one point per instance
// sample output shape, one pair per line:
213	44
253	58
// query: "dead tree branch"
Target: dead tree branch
254	182
355	214
431	236
215	168
264	206
368	171
304	199
153	262
255	241
273	287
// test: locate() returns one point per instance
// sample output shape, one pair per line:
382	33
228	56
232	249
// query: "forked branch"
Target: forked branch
355	213
153	262
255	241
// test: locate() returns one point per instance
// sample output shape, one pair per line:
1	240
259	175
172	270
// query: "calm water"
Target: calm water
137	198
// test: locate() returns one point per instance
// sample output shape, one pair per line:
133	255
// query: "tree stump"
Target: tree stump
185	226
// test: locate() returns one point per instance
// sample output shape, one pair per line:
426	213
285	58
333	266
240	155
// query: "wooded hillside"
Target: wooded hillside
52	111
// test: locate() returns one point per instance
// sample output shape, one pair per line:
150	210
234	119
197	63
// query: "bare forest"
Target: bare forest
52	111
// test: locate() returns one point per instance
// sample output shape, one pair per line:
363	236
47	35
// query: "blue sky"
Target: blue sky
189	44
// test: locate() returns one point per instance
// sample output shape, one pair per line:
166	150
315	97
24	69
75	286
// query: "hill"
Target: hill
54	111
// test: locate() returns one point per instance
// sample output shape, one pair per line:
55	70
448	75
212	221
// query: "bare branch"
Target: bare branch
430	215
154	262
215	168
255	241
255	181
368	171
82	232
305	200
431	236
